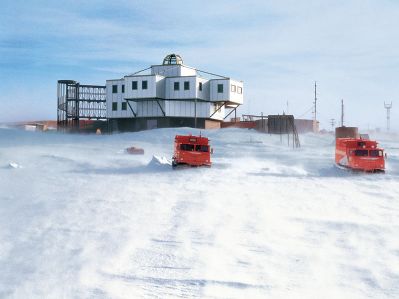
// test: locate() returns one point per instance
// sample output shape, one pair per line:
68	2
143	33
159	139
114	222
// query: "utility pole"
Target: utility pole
315	101
342	113
388	107
332	122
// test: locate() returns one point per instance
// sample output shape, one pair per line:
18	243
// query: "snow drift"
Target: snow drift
82	219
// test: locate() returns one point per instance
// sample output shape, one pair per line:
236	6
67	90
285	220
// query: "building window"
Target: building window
124	106
220	88
200	86
176	86
144	84
186	85
123	88
233	88
134	85
114	88
114	106
239	90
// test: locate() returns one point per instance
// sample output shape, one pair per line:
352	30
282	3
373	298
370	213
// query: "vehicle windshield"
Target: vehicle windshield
361	153
376	153
197	147
187	147
202	148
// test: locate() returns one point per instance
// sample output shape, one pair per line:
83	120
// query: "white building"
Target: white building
171	95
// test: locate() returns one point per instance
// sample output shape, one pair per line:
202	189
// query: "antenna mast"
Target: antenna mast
342	113
315	101
388	107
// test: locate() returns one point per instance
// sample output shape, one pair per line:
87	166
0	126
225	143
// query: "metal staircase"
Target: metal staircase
76	102
295	137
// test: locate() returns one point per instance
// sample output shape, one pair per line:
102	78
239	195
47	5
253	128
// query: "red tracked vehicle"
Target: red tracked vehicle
192	151
359	154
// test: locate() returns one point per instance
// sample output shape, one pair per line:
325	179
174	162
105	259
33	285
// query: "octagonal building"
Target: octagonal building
171	94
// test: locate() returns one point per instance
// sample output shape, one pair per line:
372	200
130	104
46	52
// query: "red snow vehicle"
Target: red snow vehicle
191	150
135	150
359	154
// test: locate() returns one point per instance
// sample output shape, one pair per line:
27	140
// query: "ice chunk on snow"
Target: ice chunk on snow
14	165
159	161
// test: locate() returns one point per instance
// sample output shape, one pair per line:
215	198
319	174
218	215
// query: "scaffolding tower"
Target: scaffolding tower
77	102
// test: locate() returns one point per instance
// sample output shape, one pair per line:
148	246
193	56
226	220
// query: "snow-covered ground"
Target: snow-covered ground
80	218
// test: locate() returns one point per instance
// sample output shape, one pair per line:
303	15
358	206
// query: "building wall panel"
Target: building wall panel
150	108
141	93
165	70
160	81
171	93
234	92
187	109
204	93
219	96
187	71
117	98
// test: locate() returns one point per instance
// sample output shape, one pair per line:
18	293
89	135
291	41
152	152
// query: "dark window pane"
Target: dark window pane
114	106
376	153
220	88
200	86
361	153
187	147
124	106
114	88
201	148
134	85
176	86
123	88
144	84
186	85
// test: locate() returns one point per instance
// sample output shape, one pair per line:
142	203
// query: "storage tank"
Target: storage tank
347	132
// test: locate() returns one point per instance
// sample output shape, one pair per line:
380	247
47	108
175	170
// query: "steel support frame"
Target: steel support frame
160	107
234	109
224	104
76	101
131	108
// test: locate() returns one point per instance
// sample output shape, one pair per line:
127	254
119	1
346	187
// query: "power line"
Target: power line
306	112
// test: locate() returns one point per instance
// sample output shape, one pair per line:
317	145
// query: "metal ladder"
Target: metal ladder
295	136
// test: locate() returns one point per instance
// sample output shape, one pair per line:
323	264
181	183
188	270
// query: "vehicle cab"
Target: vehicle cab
191	150
359	154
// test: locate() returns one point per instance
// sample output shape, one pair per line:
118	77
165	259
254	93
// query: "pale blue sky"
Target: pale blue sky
278	48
